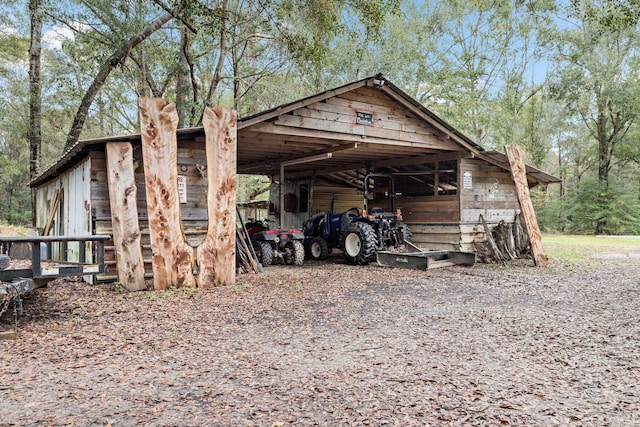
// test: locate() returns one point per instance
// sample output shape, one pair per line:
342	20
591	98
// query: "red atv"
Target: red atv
271	245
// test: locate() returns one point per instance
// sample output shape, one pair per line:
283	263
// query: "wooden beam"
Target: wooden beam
216	255
173	257
398	161
519	173
274	163
429	140
124	215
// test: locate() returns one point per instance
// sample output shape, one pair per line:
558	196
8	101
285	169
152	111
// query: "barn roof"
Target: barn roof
272	138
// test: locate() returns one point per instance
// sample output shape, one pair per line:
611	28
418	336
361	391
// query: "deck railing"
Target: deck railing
41	250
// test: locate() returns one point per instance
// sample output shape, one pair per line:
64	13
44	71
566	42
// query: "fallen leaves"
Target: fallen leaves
329	344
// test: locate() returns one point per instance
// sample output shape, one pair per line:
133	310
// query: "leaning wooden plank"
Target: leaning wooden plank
519	174
172	259
216	255
52	212
124	215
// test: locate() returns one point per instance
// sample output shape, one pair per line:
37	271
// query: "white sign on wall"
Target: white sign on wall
467	180
182	188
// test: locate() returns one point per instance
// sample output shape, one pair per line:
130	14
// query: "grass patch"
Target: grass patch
580	249
15	230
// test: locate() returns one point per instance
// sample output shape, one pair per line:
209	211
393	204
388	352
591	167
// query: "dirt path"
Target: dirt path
329	344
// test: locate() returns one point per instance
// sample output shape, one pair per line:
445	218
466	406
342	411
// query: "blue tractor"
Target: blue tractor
359	234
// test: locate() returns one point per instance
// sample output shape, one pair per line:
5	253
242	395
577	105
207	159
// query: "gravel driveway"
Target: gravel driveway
331	345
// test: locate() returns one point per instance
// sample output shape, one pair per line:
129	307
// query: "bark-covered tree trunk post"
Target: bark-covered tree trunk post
34	132
182	84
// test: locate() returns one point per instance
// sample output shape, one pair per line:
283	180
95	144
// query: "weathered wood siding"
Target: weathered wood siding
492	194
73	216
191	165
389	120
433	220
336	199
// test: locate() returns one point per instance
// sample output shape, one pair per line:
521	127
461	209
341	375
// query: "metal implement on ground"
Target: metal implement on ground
418	259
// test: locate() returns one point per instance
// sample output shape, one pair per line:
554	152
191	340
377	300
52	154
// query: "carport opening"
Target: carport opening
431	179
253	197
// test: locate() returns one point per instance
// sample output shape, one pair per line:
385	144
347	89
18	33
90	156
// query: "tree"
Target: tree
599	80
14	118
34	132
114	60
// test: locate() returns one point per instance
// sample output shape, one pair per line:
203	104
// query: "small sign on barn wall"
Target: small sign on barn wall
467	180
363	118
182	188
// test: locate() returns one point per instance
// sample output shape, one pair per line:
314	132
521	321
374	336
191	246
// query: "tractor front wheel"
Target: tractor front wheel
360	243
319	248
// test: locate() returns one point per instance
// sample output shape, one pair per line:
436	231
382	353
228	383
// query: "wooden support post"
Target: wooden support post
124	215
173	257
519	174
216	255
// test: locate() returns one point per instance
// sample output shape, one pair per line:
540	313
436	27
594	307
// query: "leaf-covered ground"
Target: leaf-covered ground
331	345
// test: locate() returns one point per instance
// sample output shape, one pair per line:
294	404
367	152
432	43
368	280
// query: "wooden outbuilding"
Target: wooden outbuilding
319	148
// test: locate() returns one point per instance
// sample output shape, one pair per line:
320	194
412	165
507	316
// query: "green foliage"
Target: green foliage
253	187
15	203
608	15
15	196
599	75
551	211
471	61
617	208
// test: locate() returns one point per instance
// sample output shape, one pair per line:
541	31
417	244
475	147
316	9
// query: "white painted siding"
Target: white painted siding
73	215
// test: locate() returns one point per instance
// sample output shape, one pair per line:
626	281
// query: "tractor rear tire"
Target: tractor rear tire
319	248
4	262
360	243
264	252
294	253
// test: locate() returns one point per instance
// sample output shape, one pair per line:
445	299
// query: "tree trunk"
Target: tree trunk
519	175
604	156
34	133
182	84
222	54
117	58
